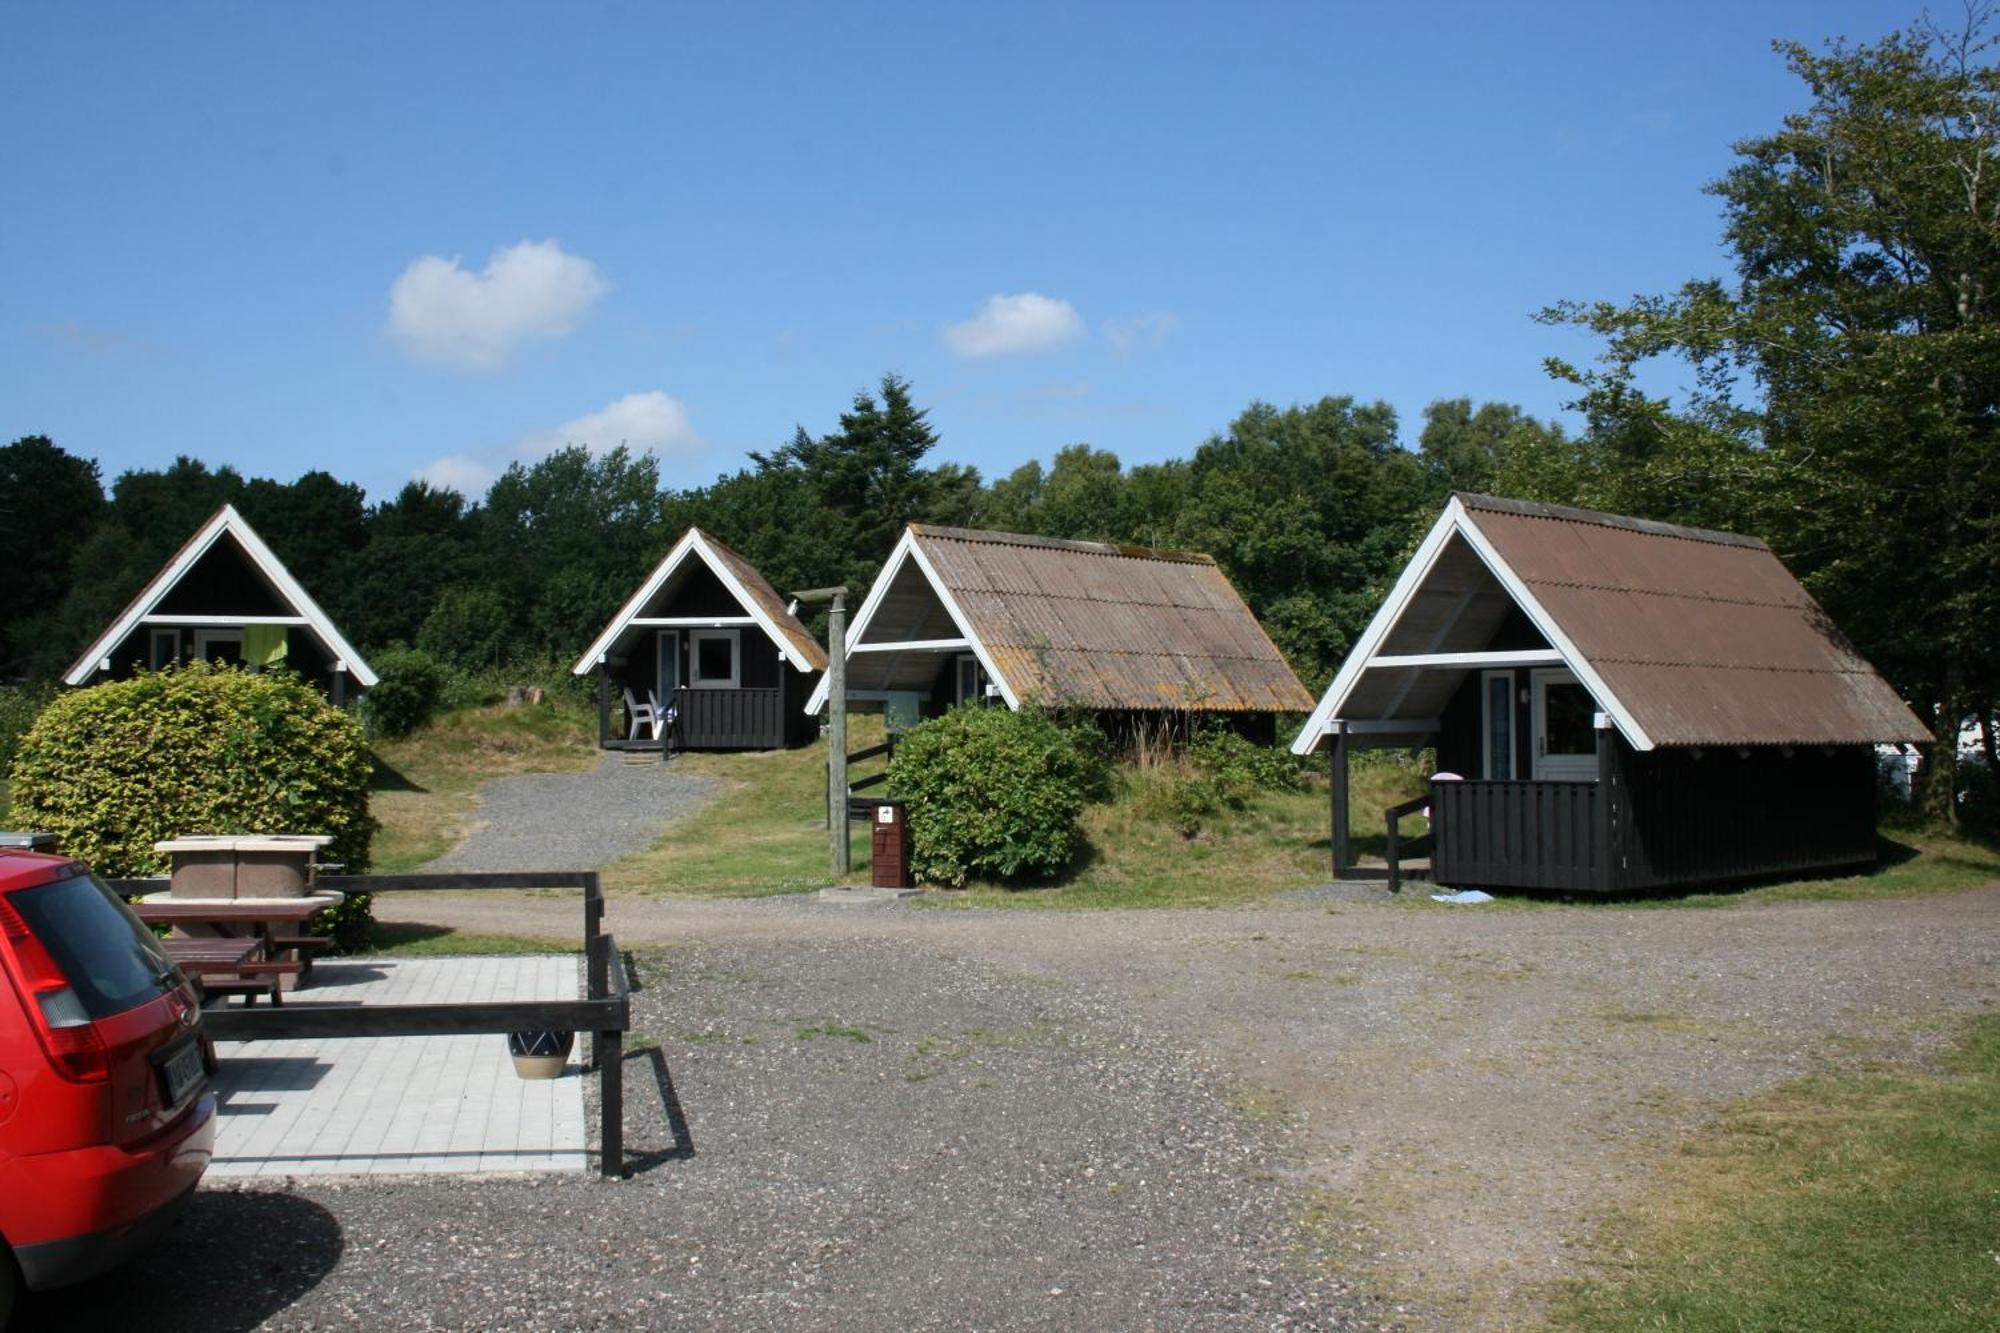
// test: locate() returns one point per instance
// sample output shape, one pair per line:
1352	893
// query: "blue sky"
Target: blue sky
425	239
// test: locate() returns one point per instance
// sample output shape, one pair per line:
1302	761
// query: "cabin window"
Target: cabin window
1497	761
971	679
221	646
716	660
166	648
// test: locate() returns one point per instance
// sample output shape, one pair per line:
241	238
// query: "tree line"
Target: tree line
1844	402
1310	509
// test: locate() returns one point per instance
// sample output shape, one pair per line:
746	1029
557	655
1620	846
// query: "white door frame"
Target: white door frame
1486	679
666	641
1556	767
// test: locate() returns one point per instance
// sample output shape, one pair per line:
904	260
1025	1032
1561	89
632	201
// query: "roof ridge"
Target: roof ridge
1079	545
1600	518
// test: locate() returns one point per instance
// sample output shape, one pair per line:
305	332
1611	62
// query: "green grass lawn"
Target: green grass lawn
425	785
1865	1203
764	834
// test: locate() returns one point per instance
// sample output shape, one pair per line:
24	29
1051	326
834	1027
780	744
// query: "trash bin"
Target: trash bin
28	842
891	850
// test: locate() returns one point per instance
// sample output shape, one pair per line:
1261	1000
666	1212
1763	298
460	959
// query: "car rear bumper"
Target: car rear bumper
117	1201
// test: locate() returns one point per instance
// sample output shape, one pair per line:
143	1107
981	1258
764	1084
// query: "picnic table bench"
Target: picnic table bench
222	966
275	928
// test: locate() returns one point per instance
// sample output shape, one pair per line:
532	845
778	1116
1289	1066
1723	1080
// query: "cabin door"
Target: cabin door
1565	736
667	676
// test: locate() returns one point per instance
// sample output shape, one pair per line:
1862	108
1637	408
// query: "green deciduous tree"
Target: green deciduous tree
1848	379
50	502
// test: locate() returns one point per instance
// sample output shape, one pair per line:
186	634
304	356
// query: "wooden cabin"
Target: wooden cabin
224	597
1125	632
707	638
1616	706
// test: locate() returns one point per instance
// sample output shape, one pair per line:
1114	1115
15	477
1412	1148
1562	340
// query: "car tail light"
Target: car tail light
65	1029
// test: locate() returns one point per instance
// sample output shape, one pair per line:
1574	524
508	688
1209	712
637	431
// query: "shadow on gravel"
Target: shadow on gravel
234	1260
638	1162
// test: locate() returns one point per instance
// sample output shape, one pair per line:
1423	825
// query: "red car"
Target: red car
106	1117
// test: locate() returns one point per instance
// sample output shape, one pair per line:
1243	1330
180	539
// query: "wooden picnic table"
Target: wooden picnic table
224	965
209	957
225	913
284	958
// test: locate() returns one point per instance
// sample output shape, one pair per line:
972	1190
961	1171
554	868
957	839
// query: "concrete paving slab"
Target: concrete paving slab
397	1105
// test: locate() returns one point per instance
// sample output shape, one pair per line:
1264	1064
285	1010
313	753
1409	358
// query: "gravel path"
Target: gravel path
575	821
1473	1087
872	1136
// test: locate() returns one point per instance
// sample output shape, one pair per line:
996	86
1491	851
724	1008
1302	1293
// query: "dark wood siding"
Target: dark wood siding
1516	835
222	583
1676	820
1689	817
731	719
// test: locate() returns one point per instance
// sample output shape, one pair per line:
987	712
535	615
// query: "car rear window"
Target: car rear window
111	959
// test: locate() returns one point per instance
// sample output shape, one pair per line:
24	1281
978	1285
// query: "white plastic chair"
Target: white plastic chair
645	715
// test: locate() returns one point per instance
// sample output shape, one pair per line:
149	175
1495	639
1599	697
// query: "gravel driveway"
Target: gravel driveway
871	1137
575	821
1319	1113
1471	1088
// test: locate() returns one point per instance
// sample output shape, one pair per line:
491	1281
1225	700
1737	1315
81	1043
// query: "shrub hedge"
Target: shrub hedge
409	688
113	769
995	794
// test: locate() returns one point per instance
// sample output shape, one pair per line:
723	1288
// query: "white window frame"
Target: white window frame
204	637
700	682
1486	679
172	638
958	662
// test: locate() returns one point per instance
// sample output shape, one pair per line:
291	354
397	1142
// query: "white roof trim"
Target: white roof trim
225	520
907	549
691	540
1456	520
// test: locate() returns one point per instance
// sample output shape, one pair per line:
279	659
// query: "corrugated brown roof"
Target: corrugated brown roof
773	605
1096	625
1705	638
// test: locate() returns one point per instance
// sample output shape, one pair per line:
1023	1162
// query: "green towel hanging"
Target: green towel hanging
264	645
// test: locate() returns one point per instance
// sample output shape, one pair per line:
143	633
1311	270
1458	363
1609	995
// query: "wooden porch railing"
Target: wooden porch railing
1525	835
1399	849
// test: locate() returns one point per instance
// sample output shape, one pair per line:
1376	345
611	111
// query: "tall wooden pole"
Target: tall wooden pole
1336	774
836	719
836	752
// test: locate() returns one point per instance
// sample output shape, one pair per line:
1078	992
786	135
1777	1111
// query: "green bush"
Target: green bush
1240	766
409	687
995	794
113	769
1220	771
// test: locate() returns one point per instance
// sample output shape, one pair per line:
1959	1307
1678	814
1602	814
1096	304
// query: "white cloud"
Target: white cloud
1135	333
650	422
1007	325
444	313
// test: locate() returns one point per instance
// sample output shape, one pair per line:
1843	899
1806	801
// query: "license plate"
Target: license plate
181	1071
